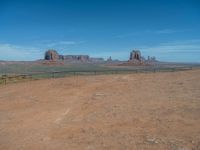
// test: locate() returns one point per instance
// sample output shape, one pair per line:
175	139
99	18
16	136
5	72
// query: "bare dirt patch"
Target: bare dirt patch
136	111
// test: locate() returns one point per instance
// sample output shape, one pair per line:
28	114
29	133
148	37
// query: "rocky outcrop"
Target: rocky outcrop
96	60
109	59
83	58
151	59
135	55
136	59
51	55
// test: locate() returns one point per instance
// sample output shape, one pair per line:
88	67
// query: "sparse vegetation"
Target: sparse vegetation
22	72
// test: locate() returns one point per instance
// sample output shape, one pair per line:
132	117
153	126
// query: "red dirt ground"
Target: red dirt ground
155	111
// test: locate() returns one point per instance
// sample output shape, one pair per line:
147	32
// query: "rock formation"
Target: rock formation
109	59
51	55
83	58
137	59
151	59
96	60
135	55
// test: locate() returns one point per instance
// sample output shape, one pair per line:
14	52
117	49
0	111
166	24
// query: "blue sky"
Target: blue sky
167	29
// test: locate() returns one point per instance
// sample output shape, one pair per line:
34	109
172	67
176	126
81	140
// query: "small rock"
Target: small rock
99	94
152	140
192	142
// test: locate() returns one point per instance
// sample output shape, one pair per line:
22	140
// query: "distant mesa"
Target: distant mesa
83	58
151	59
135	55
52	55
109	59
136	58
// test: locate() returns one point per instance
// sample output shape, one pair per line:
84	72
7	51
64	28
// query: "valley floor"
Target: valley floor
154	111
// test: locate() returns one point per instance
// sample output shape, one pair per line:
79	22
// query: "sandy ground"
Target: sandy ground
158	111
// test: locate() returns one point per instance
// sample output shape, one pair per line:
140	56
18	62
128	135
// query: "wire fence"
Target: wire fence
5	79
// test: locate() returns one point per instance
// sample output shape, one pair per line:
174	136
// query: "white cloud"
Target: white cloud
144	32
62	43
185	51
127	35
165	31
15	52
177	46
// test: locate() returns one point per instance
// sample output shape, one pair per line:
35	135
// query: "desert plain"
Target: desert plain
141	111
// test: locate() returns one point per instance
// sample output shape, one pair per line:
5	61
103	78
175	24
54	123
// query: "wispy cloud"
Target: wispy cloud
177	46
185	51
127	35
36	51
144	32
16	52
165	31
61	43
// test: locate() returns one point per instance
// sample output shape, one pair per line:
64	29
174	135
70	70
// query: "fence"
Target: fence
4	79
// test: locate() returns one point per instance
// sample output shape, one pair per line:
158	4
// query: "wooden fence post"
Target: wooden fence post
52	74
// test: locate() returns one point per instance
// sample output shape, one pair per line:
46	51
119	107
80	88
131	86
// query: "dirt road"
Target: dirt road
155	111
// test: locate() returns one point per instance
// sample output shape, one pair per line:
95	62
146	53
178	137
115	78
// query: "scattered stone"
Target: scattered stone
152	140
100	94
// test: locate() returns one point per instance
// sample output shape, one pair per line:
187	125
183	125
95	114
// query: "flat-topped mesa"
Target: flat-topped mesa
83	58
53	55
135	58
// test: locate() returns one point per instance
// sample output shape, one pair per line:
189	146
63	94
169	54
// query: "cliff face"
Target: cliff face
51	55
135	55
83	58
136	59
